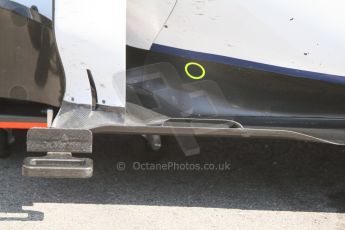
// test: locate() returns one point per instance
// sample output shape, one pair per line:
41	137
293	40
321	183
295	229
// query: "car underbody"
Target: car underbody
75	76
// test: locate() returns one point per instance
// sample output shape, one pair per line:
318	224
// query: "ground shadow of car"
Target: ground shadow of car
264	175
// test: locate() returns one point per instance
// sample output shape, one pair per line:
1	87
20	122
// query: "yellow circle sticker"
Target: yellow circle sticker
201	76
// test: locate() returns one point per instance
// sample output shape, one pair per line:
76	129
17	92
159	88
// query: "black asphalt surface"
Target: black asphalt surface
265	175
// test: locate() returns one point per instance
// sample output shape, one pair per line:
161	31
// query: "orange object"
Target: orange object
23	125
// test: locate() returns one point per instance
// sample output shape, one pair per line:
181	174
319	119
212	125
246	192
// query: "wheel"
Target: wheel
4	145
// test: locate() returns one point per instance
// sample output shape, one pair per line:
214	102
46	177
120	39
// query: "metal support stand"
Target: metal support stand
59	162
154	142
58	165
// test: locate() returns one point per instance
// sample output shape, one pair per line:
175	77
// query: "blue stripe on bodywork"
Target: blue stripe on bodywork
247	64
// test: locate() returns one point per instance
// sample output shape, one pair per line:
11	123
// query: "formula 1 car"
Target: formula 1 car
263	69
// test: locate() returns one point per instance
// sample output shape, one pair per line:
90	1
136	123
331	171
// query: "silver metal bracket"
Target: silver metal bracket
58	165
154	141
59	140
59	162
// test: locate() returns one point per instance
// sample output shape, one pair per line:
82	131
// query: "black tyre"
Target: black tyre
4	145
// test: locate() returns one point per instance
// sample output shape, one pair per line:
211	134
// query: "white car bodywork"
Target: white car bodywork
145	19
304	35
93	37
268	62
